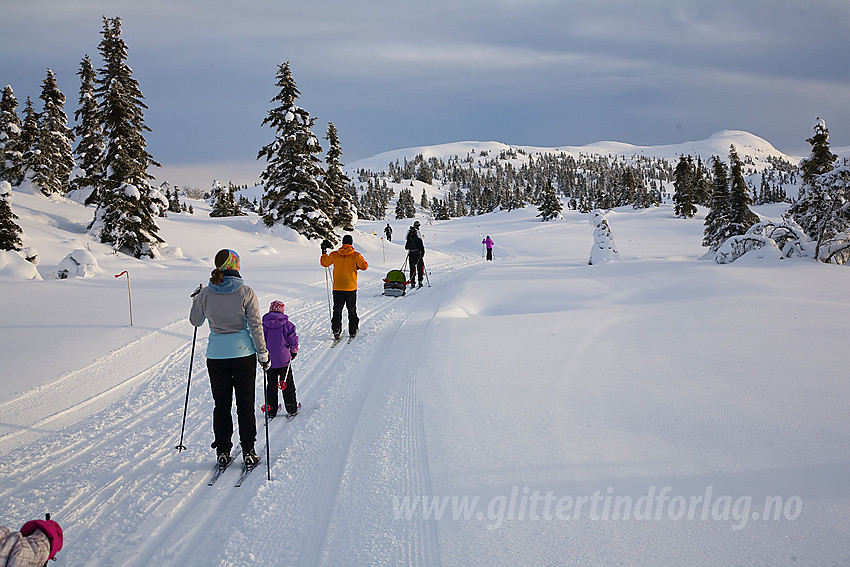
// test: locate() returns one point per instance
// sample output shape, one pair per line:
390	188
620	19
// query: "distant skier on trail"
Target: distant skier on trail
282	342
489	244
346	261
389	232
416	253
235	346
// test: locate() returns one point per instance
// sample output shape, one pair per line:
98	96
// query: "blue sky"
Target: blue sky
395	73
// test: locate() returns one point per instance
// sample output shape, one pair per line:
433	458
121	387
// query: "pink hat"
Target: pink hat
50	528
277	306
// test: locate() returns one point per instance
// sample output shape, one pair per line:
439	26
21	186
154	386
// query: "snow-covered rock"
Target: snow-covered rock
14	266
79	263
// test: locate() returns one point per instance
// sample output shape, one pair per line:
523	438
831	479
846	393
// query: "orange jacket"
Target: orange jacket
346	261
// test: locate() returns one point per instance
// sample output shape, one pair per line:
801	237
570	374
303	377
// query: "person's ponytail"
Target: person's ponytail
217	276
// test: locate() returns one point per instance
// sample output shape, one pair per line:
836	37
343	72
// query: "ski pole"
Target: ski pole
404	264
266	413
328	286
424	269
180	446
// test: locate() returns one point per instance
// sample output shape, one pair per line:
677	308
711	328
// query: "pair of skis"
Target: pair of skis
219	470
337	341
288	416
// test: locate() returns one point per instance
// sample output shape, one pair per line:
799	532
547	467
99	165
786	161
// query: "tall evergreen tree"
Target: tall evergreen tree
821	160
717	220
10	232
405	207
822	208
741	218
26	143
54	143
684	180
550	205
813	204
90	147
127	203
295	193
11	155
344	213
702	187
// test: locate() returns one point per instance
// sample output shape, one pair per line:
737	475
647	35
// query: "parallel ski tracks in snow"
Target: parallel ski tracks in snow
360	442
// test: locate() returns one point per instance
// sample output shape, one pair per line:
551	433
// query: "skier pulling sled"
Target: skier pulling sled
395	284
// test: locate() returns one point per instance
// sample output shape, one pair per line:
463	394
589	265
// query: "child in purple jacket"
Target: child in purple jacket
282	343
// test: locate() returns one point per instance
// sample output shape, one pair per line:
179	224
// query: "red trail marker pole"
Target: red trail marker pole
129	295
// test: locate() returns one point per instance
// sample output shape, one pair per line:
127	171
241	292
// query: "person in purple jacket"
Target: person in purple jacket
489	244
282	343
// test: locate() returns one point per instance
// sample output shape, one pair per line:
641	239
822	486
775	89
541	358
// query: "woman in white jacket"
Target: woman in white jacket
235	346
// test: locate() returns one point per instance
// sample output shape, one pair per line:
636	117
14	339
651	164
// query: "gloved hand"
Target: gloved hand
263	359
326	245
293	354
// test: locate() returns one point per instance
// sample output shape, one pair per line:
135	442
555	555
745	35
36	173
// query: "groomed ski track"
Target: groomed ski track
358	441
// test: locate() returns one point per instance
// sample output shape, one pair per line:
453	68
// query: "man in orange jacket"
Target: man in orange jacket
346	261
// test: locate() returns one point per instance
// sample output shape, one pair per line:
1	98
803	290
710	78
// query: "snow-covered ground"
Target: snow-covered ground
652	411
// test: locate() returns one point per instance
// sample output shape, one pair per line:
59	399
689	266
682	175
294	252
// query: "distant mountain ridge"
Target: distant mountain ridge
746	144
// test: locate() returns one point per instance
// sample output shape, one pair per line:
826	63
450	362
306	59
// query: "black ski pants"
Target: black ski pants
347	299
489	253
417	266
273	377
229	376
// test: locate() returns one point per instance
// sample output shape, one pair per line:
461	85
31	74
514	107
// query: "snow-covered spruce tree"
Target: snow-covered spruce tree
830	193
684	180
295	194
702	186
821	160
224	201
603	249
26	142
741	218
344	214
814	203
550	205
440	209
127	203
11	155
405	207
10	232
52	168
717	220
89	149
173	197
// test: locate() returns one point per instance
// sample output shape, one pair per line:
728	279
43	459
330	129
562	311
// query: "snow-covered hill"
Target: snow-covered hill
747	145
653	411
